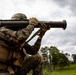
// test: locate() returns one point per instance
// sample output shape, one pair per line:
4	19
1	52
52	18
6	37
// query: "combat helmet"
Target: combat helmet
19	16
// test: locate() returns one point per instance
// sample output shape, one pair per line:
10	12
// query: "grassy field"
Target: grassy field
67	71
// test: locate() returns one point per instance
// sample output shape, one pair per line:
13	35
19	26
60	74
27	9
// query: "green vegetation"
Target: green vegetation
58	63
71	70
55	57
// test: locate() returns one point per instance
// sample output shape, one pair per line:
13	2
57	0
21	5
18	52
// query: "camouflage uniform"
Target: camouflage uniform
34	62
25	63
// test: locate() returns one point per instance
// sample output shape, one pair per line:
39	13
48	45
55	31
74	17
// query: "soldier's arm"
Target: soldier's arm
20	35
23	34
35	48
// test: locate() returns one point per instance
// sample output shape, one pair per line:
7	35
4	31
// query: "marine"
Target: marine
14	58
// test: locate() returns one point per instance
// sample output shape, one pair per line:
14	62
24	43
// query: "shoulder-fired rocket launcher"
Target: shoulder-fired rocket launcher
17	24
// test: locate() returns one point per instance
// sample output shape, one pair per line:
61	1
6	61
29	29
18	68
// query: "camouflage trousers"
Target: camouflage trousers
33	63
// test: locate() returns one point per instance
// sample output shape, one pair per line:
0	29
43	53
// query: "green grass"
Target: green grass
67	71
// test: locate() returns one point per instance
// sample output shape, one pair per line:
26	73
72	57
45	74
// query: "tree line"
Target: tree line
54	58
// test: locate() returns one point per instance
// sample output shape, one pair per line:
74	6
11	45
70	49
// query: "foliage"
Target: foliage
55	57
59	59
63	61
45	53
74	57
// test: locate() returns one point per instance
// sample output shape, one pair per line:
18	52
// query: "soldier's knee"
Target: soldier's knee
39	58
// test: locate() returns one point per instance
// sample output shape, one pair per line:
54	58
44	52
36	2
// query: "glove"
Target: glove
43	28
33	21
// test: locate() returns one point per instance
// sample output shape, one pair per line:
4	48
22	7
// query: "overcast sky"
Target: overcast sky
47	10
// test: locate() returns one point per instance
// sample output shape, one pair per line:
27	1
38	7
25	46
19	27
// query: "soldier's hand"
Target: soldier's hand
44	27
33	21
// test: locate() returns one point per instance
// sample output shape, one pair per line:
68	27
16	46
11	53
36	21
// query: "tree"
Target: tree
58	59
63	61
74	57
45	53
47	57
55	55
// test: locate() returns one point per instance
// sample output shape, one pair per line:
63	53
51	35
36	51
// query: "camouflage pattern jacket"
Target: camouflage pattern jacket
8	40
7	36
